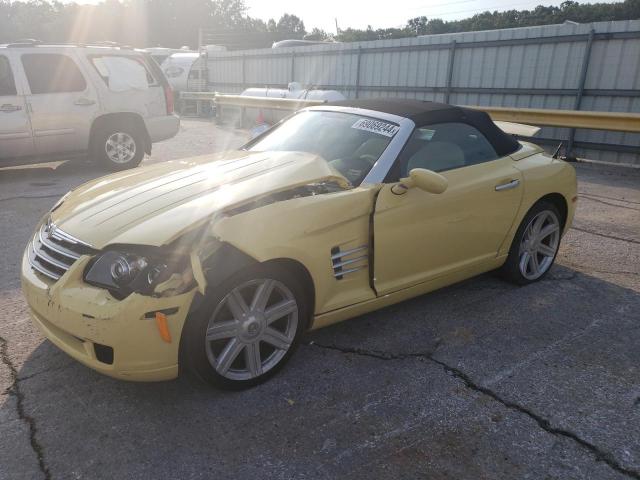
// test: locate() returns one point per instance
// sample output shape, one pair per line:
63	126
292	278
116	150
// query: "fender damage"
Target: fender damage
181	210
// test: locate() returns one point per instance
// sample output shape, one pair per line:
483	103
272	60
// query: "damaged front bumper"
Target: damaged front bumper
119	338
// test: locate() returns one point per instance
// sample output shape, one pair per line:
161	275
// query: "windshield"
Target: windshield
350	143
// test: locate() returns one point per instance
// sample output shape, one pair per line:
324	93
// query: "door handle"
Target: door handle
508	185
84	102
7	107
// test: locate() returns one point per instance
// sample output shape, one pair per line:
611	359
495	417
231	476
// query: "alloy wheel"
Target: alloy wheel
120	147
251	329
539	245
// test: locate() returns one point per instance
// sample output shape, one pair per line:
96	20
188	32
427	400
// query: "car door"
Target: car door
419	236
62	103
15	130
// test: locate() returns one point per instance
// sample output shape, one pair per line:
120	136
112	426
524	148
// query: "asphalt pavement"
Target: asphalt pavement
479	380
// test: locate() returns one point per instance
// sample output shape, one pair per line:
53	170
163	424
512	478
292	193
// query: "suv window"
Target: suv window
445	146
7	83
52	73
122	72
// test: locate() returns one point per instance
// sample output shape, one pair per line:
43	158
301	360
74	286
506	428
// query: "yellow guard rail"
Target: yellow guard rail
615	121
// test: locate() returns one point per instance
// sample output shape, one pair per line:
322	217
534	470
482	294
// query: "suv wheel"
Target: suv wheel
119	148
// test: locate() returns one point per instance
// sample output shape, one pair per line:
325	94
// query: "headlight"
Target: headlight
123	273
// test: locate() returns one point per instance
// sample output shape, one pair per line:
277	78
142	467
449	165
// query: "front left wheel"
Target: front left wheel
246	329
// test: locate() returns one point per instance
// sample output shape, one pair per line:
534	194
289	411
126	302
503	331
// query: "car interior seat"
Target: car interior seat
372	146
437	156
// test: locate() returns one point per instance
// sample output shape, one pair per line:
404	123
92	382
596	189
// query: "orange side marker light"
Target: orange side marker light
163	328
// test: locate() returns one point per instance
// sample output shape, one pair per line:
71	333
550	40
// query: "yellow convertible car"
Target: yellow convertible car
216	265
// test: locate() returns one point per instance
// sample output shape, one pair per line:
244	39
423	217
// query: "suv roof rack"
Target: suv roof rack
108	43
32	42
24	42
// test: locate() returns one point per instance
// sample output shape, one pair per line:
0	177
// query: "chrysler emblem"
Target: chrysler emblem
50	228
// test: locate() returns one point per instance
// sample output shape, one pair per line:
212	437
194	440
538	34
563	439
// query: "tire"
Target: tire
535	245
118	146
223	340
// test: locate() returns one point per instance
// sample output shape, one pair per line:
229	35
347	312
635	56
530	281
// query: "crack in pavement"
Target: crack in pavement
14	389
608	272
587	197
576	267
609	198
48	370
612	237
543	423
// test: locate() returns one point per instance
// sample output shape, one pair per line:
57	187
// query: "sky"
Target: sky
377	13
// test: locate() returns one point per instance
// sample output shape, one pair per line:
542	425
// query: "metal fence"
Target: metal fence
570	66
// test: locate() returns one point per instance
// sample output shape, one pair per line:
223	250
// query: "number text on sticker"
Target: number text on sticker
376	126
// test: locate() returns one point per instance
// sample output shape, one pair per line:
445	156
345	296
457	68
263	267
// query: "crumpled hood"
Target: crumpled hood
153	205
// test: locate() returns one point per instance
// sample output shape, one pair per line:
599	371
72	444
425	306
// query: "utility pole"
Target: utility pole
337	29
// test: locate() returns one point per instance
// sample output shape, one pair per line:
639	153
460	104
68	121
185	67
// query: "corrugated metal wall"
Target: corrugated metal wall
588	67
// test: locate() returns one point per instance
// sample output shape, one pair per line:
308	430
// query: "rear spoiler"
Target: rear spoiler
519	129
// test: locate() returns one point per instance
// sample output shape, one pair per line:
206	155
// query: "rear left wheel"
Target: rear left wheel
246	329
535	245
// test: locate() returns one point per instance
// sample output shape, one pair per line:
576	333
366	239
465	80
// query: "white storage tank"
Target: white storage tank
176	68
294	91
197	80
160	54
213	49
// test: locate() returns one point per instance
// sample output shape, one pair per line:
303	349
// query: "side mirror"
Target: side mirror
422	178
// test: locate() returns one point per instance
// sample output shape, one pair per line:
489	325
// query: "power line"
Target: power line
421	7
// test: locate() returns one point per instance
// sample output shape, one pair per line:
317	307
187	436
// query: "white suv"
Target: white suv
59	101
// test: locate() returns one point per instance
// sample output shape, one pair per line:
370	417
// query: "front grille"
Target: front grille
52	251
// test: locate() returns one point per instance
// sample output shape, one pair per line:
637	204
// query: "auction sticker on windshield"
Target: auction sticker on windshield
376	126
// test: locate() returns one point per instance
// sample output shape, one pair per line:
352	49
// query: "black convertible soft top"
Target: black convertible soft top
426	113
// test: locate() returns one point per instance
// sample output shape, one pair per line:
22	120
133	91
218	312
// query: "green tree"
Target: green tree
318	35
352	35
292	25
418	25
174	23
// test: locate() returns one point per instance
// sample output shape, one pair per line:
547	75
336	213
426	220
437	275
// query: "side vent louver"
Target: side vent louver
348	261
